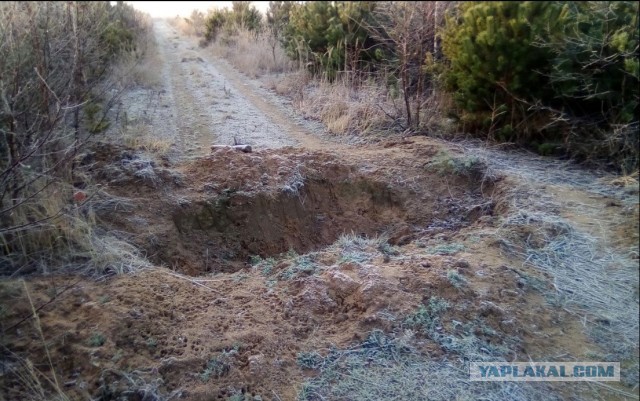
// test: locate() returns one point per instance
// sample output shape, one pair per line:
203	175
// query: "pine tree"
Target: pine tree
493	61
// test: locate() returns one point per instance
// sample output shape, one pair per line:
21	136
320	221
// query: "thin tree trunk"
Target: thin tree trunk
405	82
273	52
419	98
13	161
435	28
77	81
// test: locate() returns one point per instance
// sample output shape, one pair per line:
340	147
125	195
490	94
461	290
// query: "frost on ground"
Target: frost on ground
317	270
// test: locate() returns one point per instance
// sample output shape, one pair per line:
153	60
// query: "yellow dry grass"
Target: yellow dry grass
140	136
252	55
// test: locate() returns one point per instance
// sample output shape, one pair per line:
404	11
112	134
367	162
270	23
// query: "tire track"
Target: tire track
209	107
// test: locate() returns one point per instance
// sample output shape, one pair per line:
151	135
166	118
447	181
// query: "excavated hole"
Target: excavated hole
218	211
229	230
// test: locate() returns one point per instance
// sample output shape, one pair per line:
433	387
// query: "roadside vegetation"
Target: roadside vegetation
64	67
559	78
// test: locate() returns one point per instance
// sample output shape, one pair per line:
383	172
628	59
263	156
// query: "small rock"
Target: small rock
509	293
314	297
256	363
370	294
463	264
341	283
489	308
349	266
508	324
79	196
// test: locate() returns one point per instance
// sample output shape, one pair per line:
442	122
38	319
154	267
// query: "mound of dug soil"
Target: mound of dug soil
219	211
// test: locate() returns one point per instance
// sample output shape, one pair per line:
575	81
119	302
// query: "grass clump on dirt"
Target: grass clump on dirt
294	184
469	340
301	265
219	365
456	279
445	249
358	249
265	266
295	265
216	367
446	164
309	360
427	318
348	248
139	135
97	340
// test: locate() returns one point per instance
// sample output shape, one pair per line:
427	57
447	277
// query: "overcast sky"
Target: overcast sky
184	8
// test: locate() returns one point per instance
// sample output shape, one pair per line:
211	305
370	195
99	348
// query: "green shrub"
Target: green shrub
54	99
456	279
329	36
594	77
466	166
558	77
492	60
242	16
96	340
216	367
117	38
219	365
595	68
215	22
427	318
309	360
246	16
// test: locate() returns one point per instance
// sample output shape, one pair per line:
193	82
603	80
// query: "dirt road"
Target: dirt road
202	101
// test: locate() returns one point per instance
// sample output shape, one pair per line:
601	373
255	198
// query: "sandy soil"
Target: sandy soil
307	245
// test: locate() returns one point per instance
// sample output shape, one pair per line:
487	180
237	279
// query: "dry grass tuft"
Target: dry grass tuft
593	278
142	66
32	384
579	263
629	180
56	231
182	26
367	109
139	136
291	85
252	55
